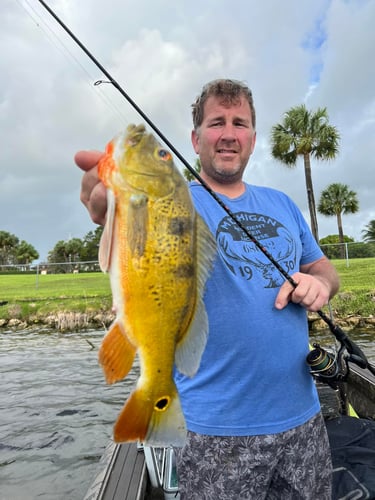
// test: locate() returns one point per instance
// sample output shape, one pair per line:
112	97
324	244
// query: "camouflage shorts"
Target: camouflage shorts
292	465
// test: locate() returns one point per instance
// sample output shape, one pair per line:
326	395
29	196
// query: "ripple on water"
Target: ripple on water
56	414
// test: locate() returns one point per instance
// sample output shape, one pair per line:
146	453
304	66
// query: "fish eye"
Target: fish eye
164	154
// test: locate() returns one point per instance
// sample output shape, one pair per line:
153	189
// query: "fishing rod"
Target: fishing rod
340	335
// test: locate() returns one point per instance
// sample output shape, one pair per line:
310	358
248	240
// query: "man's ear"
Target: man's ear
195	141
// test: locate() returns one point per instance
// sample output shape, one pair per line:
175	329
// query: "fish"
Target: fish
158	252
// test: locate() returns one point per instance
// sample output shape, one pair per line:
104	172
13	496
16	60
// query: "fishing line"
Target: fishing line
335	329
63	49
167	142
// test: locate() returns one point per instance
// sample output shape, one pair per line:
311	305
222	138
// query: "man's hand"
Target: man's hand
316	284
93	192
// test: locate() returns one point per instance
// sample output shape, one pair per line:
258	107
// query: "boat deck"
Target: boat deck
128	476
123	475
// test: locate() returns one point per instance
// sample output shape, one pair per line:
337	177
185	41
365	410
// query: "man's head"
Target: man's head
224	132
225	90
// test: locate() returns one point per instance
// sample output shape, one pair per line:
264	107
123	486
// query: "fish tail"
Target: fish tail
155	421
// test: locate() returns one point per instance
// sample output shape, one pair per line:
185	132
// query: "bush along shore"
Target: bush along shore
63	321
14	317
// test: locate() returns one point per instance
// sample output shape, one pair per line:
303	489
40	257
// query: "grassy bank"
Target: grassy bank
34	299
42	299
357	290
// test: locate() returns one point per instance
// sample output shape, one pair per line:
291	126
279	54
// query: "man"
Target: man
252	411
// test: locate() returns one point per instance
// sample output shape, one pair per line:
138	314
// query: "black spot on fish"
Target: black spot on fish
179	225
185	270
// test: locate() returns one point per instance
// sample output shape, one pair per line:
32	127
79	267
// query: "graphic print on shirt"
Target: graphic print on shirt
244	258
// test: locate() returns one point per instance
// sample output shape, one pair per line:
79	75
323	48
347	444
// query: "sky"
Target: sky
320	53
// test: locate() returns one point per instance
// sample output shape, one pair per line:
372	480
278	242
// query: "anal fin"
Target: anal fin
116	354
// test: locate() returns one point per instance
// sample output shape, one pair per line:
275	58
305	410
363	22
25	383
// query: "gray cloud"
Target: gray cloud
162	53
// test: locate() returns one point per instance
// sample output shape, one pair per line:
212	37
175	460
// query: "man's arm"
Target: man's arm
317	282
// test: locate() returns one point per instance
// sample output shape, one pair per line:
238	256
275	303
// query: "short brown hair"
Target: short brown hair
229	91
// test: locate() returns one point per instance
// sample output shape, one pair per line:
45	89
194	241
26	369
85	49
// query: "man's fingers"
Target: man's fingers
283	297
86	160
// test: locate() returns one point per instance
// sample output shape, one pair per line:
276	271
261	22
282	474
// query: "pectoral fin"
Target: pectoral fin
116	354
105	247
137	224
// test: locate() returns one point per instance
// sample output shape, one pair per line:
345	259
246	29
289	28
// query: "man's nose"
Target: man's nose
229	132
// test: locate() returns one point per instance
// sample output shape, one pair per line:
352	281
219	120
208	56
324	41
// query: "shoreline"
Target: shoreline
72	321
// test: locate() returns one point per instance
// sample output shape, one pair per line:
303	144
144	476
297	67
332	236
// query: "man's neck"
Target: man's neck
231	190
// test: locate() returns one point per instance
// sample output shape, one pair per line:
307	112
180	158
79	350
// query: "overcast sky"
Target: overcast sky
319	52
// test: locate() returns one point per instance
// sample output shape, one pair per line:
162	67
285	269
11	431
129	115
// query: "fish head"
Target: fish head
136	161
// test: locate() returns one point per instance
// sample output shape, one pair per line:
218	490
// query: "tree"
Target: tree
307	134
338	199
188	175
8	245
12	251
26	253
369	231
65	251
331	245
90	247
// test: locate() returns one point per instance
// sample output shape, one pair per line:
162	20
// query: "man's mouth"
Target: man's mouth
226	151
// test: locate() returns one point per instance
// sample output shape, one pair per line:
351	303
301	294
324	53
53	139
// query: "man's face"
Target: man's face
225	139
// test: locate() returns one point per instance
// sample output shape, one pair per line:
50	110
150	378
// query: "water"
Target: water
57	414
365	339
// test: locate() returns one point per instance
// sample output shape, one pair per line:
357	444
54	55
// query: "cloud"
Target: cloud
162	53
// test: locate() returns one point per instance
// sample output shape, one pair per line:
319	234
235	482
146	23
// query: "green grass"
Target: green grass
39	295
39	287
360	275
357	290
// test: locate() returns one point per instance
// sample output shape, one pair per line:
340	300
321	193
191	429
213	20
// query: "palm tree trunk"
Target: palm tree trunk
341	235
310	196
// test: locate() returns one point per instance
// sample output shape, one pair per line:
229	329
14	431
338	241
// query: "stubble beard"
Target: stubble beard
225	175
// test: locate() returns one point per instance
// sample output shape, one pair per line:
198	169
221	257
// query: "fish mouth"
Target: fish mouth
134	134
143	174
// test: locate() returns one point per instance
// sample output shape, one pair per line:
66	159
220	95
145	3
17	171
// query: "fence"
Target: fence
52	267
349	250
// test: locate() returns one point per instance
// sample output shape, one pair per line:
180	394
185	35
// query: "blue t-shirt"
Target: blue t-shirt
253	378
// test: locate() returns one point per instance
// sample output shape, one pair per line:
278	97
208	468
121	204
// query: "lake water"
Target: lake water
57	414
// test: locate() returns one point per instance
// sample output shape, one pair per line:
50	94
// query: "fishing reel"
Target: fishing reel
327	367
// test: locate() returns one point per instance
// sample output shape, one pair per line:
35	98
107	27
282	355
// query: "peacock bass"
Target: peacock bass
158	252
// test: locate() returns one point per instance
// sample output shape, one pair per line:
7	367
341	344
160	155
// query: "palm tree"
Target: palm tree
26	253
369	232
338	199
305	133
